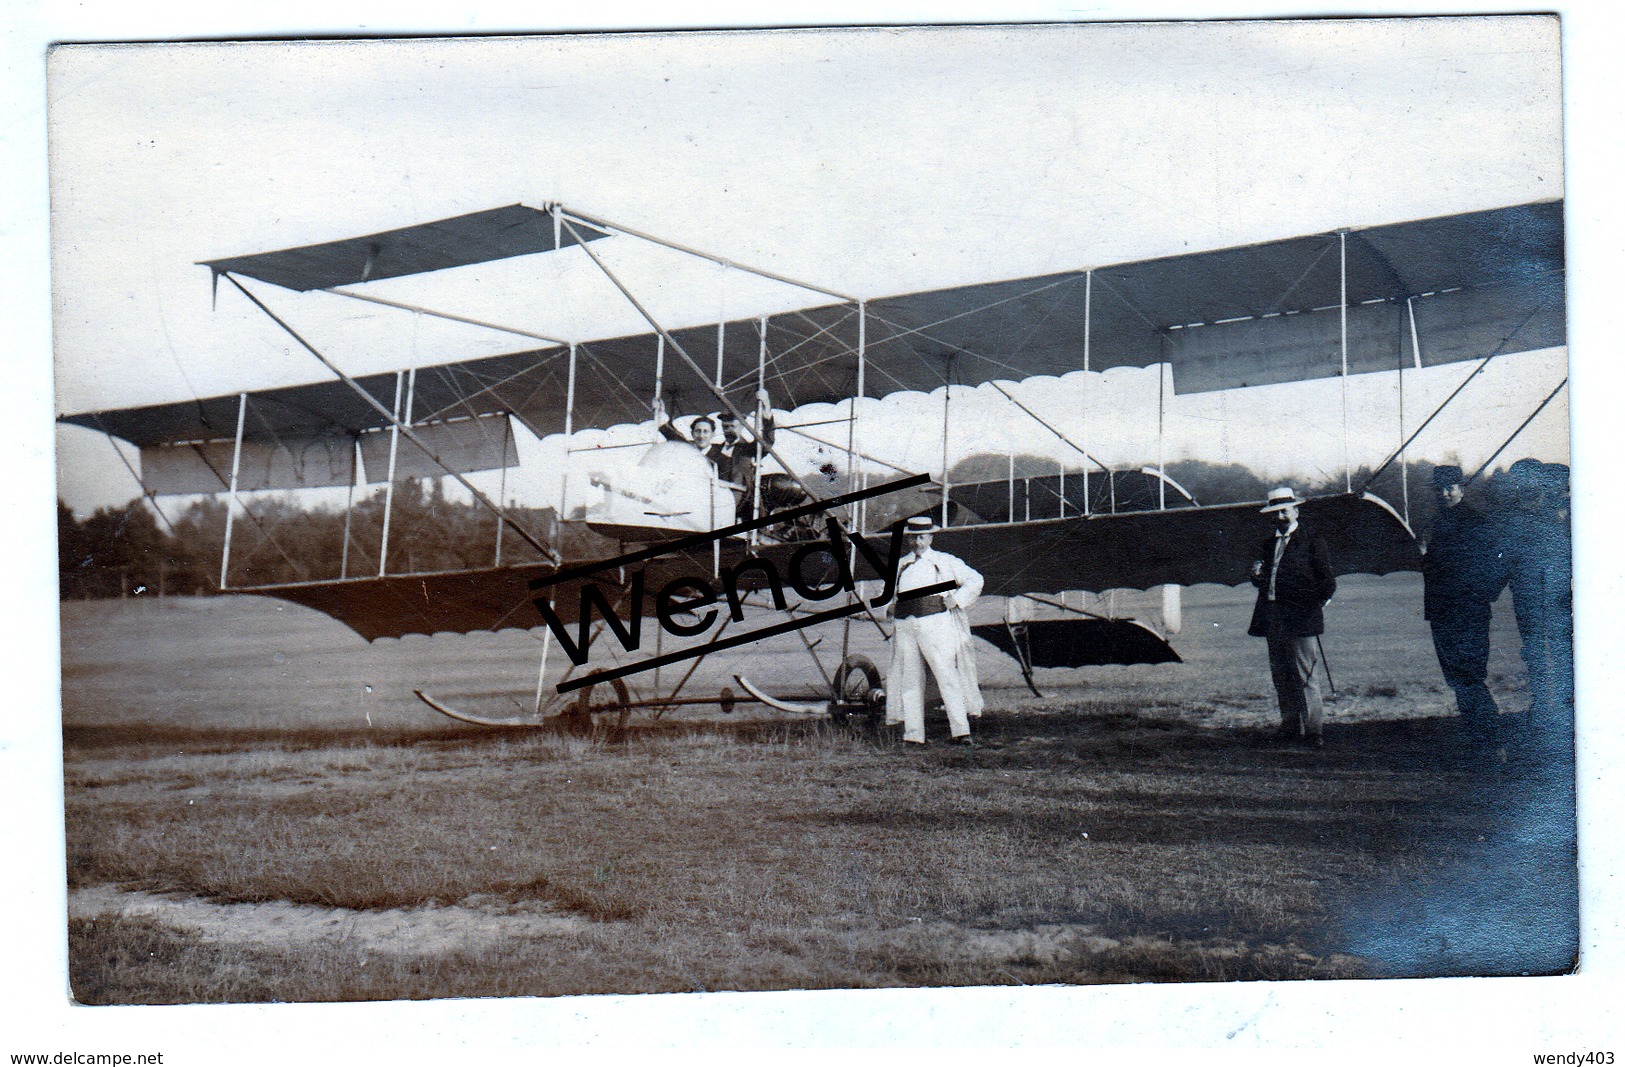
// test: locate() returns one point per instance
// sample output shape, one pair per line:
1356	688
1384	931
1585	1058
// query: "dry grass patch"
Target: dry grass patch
1083	844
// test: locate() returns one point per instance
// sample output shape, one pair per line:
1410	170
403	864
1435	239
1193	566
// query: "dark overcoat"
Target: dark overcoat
1464	568
1302	586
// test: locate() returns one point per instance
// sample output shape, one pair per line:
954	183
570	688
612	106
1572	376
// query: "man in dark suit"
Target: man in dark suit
1294	578
735	456
1463	571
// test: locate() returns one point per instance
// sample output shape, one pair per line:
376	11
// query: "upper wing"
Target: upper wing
1476	284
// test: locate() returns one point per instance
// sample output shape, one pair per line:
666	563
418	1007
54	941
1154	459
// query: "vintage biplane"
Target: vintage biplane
1383	299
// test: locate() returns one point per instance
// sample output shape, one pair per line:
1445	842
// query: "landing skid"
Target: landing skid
526	722
781	705
581	711
856	694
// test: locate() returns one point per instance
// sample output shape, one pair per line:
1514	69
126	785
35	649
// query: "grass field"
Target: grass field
258	809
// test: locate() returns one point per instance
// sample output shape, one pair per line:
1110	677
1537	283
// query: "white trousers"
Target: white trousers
938	641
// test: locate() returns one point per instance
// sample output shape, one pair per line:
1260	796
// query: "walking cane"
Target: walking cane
1327	664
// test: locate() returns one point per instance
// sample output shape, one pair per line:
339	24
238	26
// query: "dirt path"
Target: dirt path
470	926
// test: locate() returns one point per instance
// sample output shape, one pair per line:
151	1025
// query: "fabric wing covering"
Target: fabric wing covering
1124	551
495	598
307	462
1478	284
480	237
1187	546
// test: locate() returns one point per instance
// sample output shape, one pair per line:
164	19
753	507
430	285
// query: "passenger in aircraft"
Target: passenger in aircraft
934	629
730	452
703	429
1463	571
1537	541
1294	578
735	455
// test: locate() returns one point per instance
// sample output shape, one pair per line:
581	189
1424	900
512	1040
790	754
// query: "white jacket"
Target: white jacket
932	567
929	568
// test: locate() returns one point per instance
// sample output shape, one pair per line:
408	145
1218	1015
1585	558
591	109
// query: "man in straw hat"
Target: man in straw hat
933	628
1463	571
1294	578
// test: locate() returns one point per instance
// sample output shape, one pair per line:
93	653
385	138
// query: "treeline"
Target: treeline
1231	483
115	552
124	551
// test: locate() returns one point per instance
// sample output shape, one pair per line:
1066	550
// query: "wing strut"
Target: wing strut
502	490
231	505
1343	334
607	225
411	435
1404	459
947	395
411	378
569	428
700	374
1549	398
858	513
349	505
1485	362
1162	408
1088	323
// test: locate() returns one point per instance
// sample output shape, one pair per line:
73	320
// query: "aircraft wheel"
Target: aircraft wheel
617	702
858	689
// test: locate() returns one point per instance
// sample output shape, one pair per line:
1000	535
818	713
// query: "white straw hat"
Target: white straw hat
1281	498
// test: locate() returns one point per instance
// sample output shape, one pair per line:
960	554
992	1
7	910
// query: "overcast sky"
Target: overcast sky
872	162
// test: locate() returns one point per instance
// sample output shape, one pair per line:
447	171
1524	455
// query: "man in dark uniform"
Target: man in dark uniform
1294	578
1463	571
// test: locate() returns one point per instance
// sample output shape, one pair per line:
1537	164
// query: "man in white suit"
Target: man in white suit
934	629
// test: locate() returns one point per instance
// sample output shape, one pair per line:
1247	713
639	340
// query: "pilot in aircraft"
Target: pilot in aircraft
933	628
735	456
673	487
